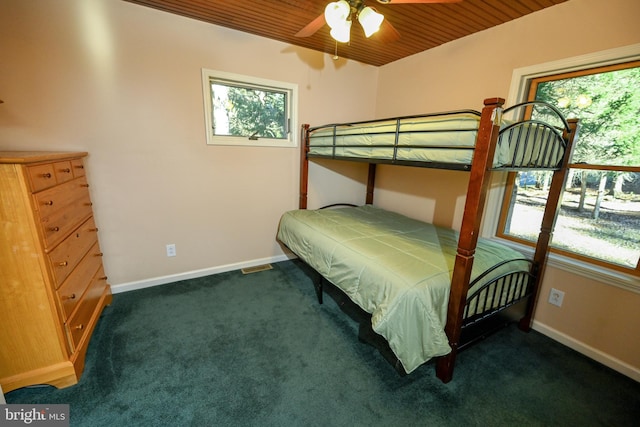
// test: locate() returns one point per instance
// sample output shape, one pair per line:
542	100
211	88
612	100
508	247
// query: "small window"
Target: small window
243	110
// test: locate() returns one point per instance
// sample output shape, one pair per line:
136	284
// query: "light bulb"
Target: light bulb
370	20
336	13
342	32
583	101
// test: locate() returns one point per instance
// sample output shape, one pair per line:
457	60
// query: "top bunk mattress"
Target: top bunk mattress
447	139
396	268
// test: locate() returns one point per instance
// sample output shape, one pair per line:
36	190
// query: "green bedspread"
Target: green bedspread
394	267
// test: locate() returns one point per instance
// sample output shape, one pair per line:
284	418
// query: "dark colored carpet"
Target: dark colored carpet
258	350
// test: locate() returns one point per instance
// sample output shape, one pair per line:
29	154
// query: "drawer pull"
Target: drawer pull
93	229
84	185
48	203
103	278
72	296
99	254
63	264
80	166
79	327
54	228
46	175
88	204
66	170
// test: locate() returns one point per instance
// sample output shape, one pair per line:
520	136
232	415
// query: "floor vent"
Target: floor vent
256	269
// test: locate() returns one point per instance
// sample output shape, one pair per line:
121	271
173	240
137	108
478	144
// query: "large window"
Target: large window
599	219
243	110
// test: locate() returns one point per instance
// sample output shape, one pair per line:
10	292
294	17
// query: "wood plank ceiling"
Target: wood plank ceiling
420	26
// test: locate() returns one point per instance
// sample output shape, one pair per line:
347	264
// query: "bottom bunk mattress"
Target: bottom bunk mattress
396	268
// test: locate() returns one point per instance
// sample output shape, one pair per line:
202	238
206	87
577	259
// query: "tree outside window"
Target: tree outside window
248	112
599	220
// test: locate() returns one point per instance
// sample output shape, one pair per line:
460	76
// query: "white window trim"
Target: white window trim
290	88
520	76
517	93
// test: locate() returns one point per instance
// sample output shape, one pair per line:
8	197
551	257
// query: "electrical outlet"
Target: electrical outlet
556	297
171	250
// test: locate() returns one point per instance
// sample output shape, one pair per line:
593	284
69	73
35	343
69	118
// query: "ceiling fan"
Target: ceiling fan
340	14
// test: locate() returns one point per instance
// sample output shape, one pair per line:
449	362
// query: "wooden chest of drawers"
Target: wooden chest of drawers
52	283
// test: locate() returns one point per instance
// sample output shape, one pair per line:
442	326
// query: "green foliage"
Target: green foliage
608	106
252	112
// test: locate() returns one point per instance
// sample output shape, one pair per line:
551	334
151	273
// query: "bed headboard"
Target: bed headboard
539	143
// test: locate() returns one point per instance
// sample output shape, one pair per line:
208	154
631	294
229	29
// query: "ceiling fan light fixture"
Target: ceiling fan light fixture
370	20
341	32
337	13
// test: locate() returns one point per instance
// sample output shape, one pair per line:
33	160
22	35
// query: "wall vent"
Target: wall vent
256	268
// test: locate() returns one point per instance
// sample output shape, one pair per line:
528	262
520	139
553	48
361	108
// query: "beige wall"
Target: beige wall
123	83
596	318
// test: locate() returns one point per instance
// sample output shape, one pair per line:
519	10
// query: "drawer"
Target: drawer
63	171
67	255
41	176
59	225
59	197
79	323
71	291
77	166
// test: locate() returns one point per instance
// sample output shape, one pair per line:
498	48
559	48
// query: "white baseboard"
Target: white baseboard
593	353
156	281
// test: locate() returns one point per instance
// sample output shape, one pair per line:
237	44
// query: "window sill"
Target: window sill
590	271
246	142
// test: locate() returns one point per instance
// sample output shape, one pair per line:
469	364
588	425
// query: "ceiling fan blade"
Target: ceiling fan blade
311	28
387	33
416	1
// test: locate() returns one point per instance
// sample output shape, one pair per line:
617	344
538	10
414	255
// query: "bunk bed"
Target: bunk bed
422	287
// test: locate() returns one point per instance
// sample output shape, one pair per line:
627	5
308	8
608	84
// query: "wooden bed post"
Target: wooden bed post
476	194
371	183
304	166
551	211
